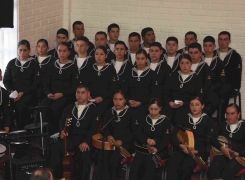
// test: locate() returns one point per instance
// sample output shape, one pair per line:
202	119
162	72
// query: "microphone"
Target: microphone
103	128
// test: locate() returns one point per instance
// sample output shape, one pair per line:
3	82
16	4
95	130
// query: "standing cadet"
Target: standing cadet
22	75
171	56
134	41
78	31
113	33
190	37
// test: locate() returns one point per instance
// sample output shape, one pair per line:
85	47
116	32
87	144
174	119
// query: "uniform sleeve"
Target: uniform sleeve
199	87
139	134
215	134
7	109
65	113
7	78
166	92
221	79
207	82
107	117
46	80
112	83
162	143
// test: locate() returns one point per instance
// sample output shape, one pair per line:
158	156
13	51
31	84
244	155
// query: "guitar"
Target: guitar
187	138
68	159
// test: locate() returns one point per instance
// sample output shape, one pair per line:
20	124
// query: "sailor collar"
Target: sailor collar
84	63
200	66
229	53
144	73
149	121
103	68
123	112
68	64
26	65
186	80
45	61
235	130
195	123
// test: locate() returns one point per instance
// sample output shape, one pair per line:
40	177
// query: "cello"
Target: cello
68	164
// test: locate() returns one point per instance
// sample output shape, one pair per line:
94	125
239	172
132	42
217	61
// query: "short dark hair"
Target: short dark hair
83	86
209	39
155	101
197	98
63	31
41	174
65	44
132	34
83	38
122	43
185	56
113	25
156	44
103	48
195	45
145	30
77	22
24	42
44	41
191	33
225	33
234	106
172	38
141	51
101	32
121	92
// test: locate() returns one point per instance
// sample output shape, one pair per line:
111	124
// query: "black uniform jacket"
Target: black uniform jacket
53	52
24	78
5	108
110	54
176	61
203	126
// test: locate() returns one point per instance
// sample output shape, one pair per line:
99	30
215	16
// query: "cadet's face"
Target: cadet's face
23	52
120	51
196	107
209	47
154	110
82	95
119	101
189	38
78	30
149	37
141	61
232	115
42	49
155	53
61	38
195	55
100	40
63	52
81	47
185	66
134	43
114	34
100	56
224	41
171	47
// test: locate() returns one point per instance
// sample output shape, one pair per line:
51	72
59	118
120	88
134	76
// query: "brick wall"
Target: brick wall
40	19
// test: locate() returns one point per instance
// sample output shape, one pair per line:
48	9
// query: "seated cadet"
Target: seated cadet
82	60
226	166
171	56
5	109
179	89
122	66
161	68
233	66
102	81
22	75
217	68
113	33
120	133
78	31
203	71
134	41
140	84
41	174
198	122
190	37
101	40
79	134
154	131
61	36
59	82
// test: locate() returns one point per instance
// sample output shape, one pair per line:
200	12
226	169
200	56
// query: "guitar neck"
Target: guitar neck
65	142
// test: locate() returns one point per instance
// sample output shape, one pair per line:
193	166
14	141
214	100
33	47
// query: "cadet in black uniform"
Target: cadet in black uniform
202	70
102	81
119	132
233	66
226	166
122	66
59	83
101	40
161	68
79	134
78	31
140	84
82	60
61	36
22	75
113	31
198	122
171	56
134	41
218	74
153	130
190	37
179	89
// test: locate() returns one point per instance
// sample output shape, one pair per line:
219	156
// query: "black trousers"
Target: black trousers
181	165
57	154
223	168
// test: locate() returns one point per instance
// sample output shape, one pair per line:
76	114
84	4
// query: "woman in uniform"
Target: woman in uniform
154	131
197	122
226	166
